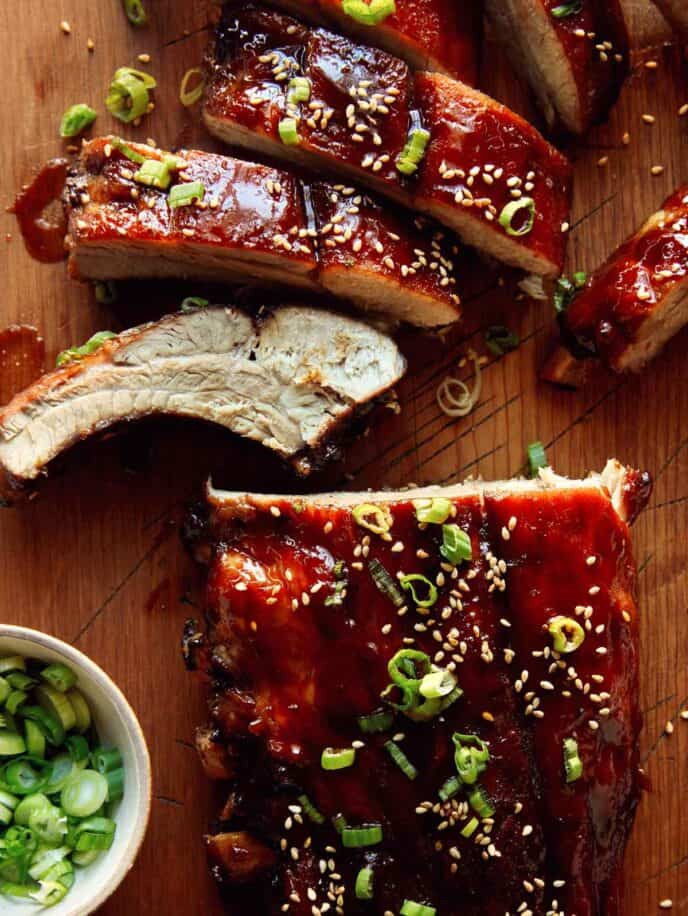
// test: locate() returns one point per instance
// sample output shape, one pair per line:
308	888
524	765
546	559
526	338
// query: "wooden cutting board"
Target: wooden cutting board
96	559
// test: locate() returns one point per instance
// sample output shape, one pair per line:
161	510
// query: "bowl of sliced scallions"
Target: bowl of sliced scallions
75	781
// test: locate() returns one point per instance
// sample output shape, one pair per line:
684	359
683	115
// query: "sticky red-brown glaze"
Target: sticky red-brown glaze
612	308
590	694
363	104
595	42
429	34
43	237
677	14
292	675
312	230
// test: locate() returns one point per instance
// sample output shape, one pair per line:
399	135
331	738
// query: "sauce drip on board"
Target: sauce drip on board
44	239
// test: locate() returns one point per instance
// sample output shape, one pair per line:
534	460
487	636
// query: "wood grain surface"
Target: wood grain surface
96	559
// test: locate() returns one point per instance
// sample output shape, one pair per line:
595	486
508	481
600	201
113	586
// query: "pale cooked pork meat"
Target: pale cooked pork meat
532	629
287	379
574	55
484	171
440	35
256	223
632	305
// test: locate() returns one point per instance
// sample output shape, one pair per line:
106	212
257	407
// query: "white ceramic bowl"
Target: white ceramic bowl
117	726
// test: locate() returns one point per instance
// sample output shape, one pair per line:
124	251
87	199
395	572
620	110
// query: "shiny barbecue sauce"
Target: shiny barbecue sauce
43	237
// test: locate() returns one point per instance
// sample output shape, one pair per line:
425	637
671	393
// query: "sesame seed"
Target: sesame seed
66	27
669	728
527	830
648	119
666	904
657	170
603	161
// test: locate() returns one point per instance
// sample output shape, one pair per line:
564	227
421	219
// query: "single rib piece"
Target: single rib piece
634	303
287	379
574	55
439	35
676	13
297	648
363	106
256	223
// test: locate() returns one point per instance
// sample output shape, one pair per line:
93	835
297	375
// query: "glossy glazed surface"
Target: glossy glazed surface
306	228
363	105
291	672
623	294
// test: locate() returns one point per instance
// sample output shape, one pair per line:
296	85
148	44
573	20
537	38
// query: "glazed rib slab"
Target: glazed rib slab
676	12
291	670
363	102
256	223
436	35
575	64
634	303
289	379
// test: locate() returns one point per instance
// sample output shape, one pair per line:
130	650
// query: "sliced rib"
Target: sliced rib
287	379
676	13
439	35
256	223
298	642
363	104
633	304
575	63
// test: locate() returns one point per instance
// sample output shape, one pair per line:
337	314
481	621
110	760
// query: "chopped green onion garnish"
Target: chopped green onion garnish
106	759
573	765
60	677
332	759
84	794
11	743
471	757
191	303
339	822
56	704
432	511
524	209
480	802
411	908
456	545
189	97
500	340
437	684
565	290
92	344
288	131
537	458
127	151
567	634
310	810
95	833
408	667
76	119
155	174
470	828
377	519
299	90
364	884
341	577
412	154
136	14
358	837
183	195
129	97
369	13
450	788
379	721
385	582
12	663
409	584
401	760
567	9
81	711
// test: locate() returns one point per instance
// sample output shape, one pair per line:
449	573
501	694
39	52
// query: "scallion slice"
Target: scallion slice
136	14
470	828
189	97
81	711
567	9
411	908
358	837
183	195
364	888
410	583
84	794
432	511
12	663
299	90
288	131
573	765
76	119
401	760
369	13
437	684
412	154
92	344
450	788
310	810
567	634
11	743
537	458
385	583
377	519
155	174
379	721
518	216
333	759
408	667
95	833
480	802
56	704
456	545
60	677
191	303
471	756
128	97
500	340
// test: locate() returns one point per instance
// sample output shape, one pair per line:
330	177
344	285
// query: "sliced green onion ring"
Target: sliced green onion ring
84	794
537	458
524	210
432	511
288	131
377	519
412	154
183	195
189	97
567	634
136	14
471	756
92	344
411	908
60	677
359	837
450	788
573	765
333	759
500	340
191	303
401	760
470	828
408	667
456	545
299	90
437	684
128	97
372	13
379	721
76	119
567	9
154	173
385	583
364	887
310	810
408	583
480	802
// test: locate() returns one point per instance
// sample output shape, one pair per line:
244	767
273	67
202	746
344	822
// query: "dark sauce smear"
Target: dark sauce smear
22	359
44	239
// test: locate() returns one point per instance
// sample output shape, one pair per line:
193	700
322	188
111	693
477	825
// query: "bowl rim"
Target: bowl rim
142	756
